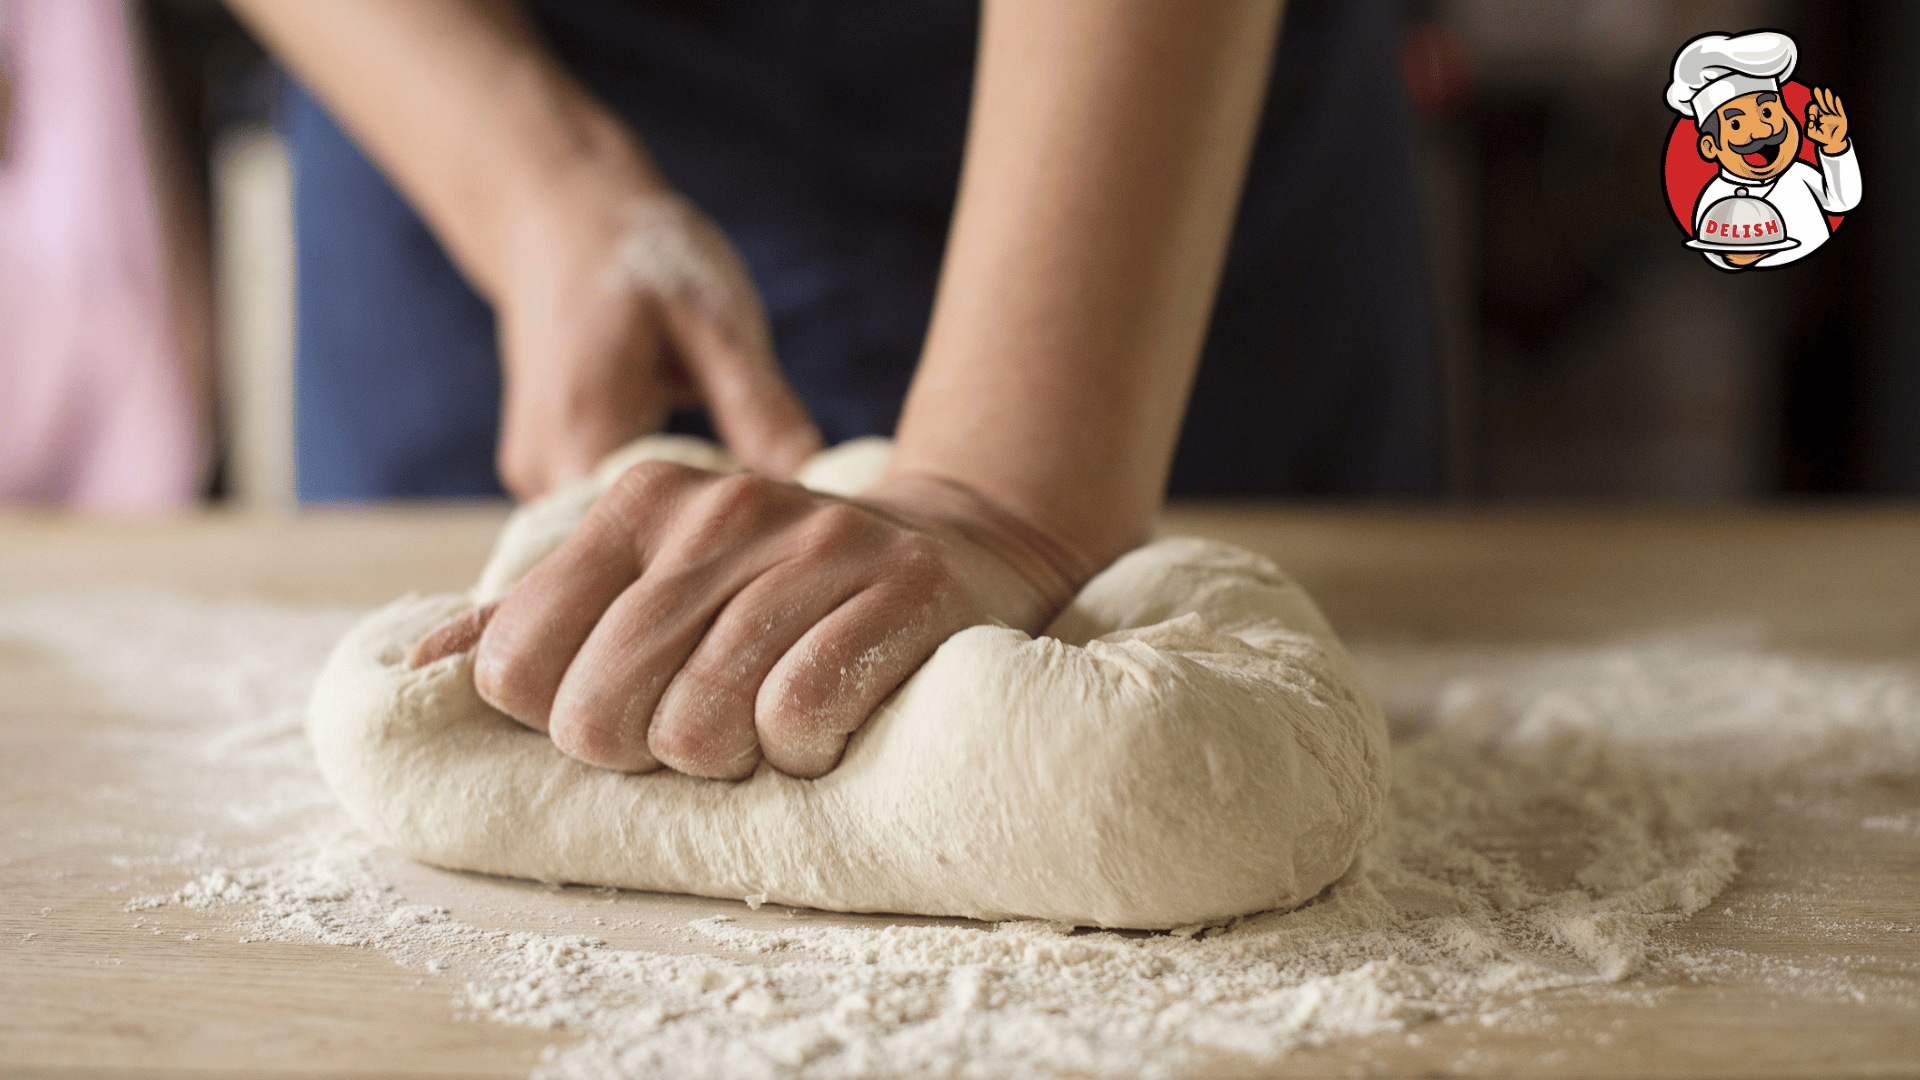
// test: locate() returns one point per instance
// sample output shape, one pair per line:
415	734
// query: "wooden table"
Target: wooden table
89	993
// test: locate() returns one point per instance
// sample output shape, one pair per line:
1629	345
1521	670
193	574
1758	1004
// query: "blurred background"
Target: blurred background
147	313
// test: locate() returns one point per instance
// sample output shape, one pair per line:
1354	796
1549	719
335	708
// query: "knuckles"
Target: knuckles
601	723
600	740
708	514
745	491
698	747
642	489
805	757
735	508
715	720
510	679
836	530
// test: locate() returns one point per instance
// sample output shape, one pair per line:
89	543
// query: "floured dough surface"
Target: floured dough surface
1187	742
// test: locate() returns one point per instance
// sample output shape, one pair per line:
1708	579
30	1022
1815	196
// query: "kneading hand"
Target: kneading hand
704	621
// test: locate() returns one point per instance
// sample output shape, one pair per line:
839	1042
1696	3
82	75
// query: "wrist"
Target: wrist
1053	566
1099	511
567	167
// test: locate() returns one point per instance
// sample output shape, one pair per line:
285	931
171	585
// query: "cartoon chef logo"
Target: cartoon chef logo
1754	185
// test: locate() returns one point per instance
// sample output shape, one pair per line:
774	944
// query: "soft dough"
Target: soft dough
1186	743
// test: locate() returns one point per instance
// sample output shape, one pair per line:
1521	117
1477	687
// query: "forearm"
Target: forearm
1104	164
460	105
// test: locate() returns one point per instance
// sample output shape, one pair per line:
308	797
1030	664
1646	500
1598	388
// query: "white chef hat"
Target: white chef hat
1713	69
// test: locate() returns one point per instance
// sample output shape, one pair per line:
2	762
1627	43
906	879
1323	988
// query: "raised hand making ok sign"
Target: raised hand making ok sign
1827	122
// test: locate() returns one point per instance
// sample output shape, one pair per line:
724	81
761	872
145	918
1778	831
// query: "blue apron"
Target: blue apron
825	137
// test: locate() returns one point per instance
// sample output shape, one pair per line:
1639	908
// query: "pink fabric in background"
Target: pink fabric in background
96	409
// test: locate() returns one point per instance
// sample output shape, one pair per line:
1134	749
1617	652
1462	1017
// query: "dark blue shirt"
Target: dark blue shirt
825	137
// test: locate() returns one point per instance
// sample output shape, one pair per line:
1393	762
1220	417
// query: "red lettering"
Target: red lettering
1772	227
1712	227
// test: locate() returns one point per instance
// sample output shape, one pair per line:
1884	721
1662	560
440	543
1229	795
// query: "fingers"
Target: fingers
1827	120
605	702
828	684
603	709
704	722
540	625
456	635
755	409
711	622
1826	103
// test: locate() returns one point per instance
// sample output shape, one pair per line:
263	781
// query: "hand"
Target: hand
621	301
704	621
615	298
1827	122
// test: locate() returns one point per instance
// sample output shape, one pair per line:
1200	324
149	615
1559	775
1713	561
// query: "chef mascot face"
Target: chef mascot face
1764	207
1753	136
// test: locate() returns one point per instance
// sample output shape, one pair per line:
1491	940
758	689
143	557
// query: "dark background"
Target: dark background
1592	354
1588	353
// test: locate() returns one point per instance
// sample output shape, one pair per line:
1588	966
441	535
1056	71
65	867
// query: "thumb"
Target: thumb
756	411
456	635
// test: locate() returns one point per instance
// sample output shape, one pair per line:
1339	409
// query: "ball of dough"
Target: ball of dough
1187	742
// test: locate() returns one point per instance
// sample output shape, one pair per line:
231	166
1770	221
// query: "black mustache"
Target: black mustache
1774	139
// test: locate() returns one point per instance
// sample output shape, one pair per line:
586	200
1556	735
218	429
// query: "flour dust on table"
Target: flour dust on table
1554	815
1188	742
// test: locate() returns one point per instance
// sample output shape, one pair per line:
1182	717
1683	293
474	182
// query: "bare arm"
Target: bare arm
707	623
1104	166
539	193
459	106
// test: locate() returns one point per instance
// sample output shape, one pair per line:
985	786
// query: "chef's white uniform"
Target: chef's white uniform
1713	69
1803	195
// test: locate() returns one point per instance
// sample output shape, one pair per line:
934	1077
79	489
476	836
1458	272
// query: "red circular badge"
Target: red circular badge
1688	174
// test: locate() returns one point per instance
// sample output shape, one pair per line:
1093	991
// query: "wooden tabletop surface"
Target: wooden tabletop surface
86	991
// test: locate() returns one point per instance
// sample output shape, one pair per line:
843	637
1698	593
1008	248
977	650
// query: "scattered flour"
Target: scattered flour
1551	811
